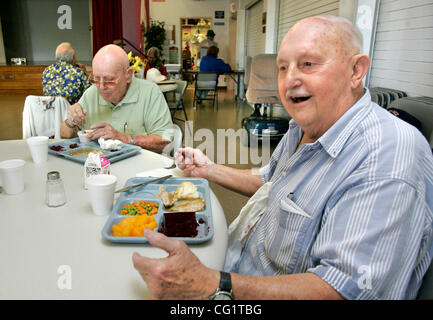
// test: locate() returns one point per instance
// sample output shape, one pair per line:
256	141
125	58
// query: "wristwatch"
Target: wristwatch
224	292
73	126
131	139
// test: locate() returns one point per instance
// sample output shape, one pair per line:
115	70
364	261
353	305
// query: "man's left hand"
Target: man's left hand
106	131
181	275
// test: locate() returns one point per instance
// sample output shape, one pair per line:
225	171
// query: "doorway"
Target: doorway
193	31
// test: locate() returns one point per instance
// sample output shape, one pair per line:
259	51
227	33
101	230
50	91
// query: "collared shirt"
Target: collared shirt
205	45
64	79
361	213
143	108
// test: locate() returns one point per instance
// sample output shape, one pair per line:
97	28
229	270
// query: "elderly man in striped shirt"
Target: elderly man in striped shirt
345	205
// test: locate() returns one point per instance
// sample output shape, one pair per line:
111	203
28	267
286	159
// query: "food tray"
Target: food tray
149	193
126	151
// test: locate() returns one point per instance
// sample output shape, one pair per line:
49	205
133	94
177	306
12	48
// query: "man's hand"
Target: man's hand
181	275
76	115
193	162
106	131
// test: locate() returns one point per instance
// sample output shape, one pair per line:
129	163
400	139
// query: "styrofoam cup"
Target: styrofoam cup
38	148
83	136
101	191
12	175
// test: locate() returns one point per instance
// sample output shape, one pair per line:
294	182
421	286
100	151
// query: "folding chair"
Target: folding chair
177	103
206	81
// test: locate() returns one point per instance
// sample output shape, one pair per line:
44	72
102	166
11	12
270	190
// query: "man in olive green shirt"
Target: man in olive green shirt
120	106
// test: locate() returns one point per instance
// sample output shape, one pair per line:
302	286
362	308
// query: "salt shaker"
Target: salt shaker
55	191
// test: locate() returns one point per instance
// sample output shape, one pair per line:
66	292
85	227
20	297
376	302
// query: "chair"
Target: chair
385	96
206	81
43	115
263	92
422	109
248	61
177	103
176	135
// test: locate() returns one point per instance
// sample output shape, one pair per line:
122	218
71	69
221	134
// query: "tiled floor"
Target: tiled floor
210	128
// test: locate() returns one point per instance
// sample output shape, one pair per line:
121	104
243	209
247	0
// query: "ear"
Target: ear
360	65
130	74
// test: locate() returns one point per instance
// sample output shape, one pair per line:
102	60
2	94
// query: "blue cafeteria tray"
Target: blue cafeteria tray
126	151
149	193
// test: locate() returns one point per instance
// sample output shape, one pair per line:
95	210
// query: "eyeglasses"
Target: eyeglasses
108	83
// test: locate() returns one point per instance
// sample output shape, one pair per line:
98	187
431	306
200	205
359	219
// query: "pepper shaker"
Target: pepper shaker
55	191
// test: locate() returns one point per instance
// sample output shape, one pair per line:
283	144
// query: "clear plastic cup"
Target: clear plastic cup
38	148
12	175
101	191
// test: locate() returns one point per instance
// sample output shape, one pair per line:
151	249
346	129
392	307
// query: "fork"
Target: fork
172	166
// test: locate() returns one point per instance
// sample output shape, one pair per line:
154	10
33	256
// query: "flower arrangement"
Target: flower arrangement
135	62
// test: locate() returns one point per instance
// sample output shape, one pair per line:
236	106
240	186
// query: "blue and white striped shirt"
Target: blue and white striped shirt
361	214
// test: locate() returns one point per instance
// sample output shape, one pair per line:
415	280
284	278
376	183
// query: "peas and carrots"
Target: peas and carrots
139	208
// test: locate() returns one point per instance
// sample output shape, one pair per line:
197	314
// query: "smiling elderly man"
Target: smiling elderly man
342	210
120	106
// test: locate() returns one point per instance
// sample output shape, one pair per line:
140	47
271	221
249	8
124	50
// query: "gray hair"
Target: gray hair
157	53
65	53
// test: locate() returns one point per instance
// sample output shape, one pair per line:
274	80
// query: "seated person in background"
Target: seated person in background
119	101
344	208
66	77
211	63
154	61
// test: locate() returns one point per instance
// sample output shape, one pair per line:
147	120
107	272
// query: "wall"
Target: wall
130	24
2	47
30	29
403	49
171	11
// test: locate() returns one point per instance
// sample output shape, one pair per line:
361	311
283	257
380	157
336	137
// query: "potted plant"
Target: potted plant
155	35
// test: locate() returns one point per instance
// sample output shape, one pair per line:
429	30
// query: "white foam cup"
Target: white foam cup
101	191
83	136
12	175
38	148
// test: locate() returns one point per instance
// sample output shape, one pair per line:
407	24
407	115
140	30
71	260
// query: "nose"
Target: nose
292	77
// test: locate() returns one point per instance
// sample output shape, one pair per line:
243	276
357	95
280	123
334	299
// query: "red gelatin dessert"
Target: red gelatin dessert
179	224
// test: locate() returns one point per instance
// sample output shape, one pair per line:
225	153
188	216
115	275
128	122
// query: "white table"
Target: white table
167	85
44	250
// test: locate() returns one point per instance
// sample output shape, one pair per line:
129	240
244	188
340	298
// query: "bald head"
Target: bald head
343	32
65	52
111	56
320	72
111	64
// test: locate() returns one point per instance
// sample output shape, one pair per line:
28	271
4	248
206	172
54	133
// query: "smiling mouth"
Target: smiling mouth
299	99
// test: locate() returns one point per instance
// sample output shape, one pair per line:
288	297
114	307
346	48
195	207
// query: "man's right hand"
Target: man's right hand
76	115
193	162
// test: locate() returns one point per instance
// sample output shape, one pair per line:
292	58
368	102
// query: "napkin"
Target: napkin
110	144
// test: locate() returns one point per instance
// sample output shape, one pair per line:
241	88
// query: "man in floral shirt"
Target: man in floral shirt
66	77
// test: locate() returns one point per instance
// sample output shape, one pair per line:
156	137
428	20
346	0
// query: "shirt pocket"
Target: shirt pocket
292	217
